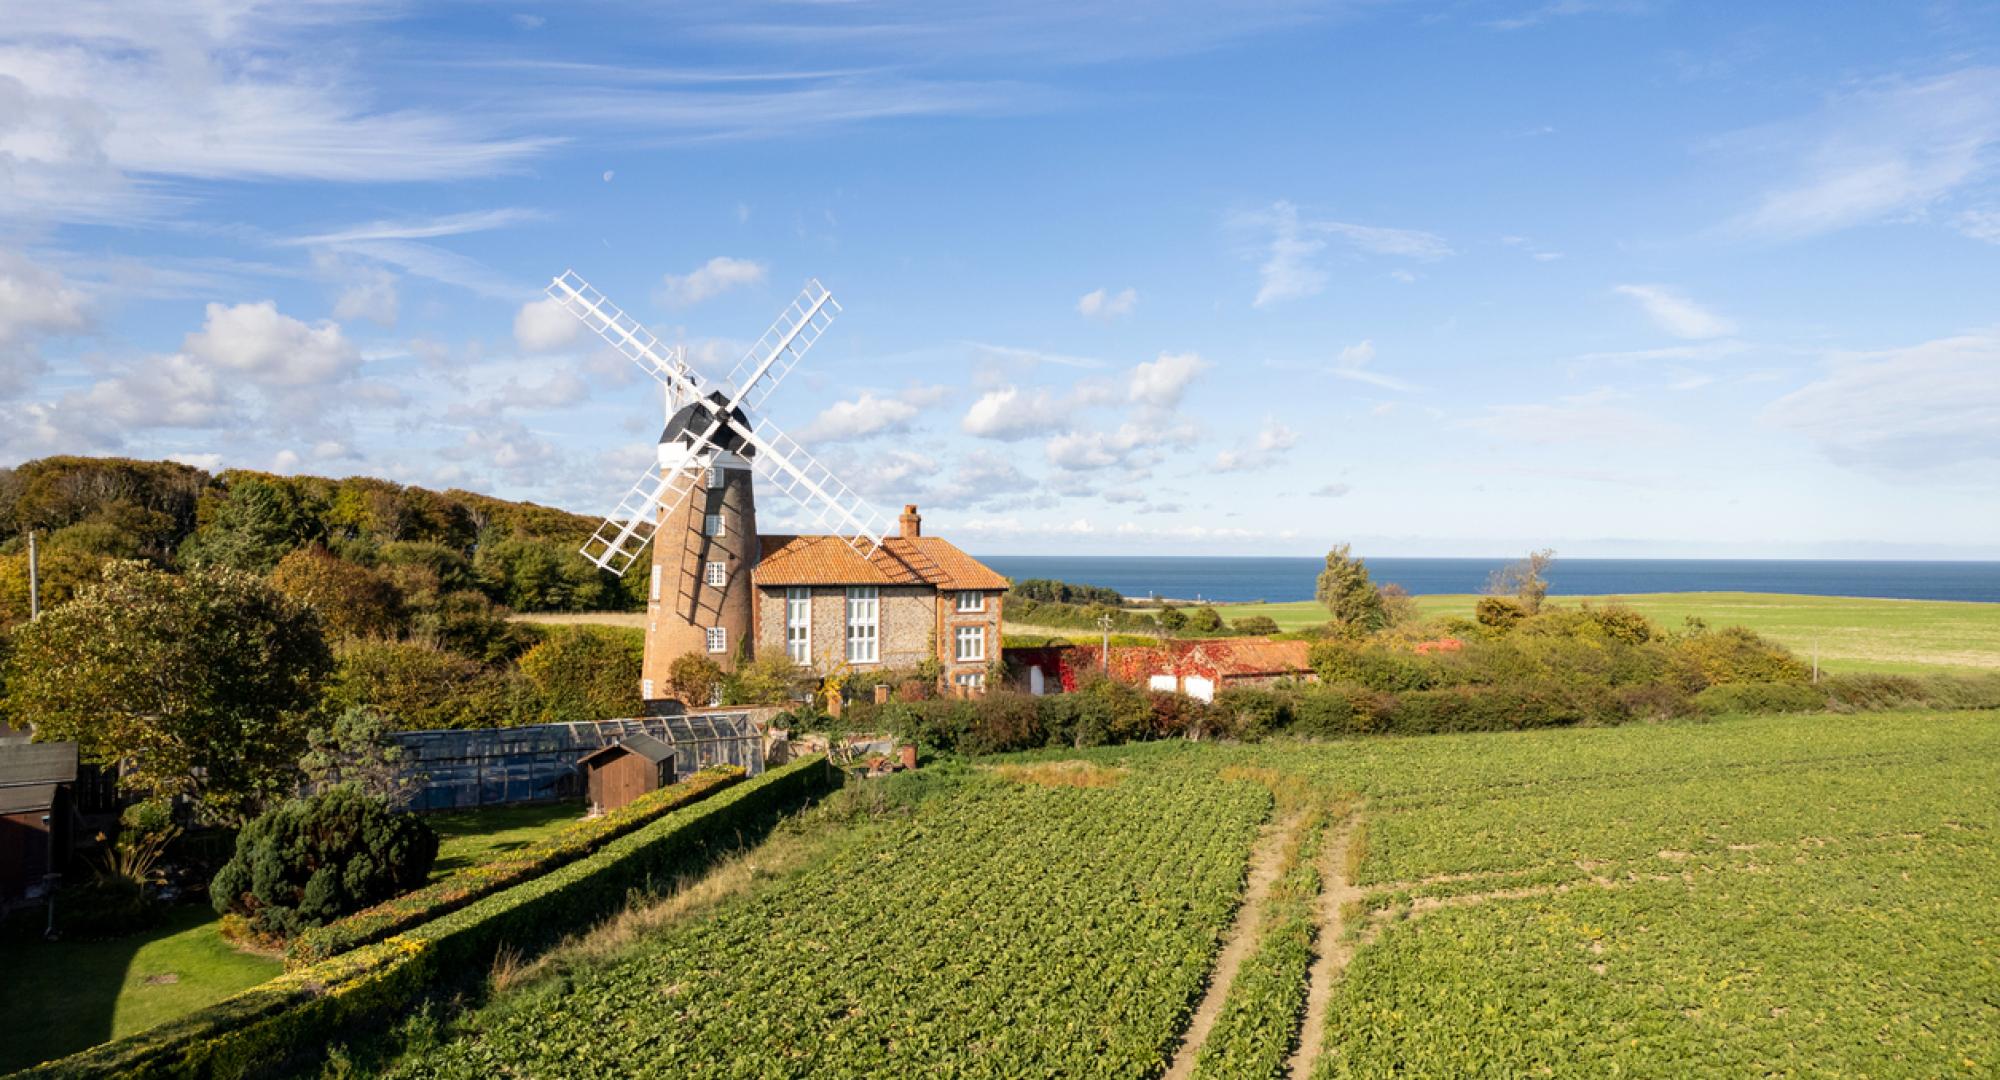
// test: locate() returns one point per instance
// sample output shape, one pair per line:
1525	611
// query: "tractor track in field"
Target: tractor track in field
1333	946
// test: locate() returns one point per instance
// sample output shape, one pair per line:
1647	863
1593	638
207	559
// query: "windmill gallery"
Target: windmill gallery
856	597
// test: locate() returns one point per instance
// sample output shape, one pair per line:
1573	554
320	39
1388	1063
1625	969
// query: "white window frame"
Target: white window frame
655	593
798	623
971	602
712	525
646	689
714	477
717	639
715	695
716	574
864	624
964	635
974	679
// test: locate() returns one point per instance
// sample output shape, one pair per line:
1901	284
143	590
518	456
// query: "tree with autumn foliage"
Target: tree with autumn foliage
200	684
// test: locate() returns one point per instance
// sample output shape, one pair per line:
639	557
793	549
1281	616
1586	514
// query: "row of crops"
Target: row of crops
1011	929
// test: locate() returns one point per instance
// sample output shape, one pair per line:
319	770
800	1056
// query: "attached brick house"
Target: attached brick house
821	603
1199	668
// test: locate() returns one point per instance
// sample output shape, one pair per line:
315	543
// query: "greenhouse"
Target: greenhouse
460	769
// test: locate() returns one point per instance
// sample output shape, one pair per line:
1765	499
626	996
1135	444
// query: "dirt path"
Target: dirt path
1336	891
1238	944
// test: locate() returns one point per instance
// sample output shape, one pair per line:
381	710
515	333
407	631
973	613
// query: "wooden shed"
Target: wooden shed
627	769
37	816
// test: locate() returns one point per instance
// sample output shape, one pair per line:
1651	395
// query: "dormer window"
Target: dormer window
971	602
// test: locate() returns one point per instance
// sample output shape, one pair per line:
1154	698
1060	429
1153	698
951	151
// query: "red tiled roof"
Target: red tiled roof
831	560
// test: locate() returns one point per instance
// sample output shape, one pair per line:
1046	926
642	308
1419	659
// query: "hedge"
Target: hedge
298	1013
448	894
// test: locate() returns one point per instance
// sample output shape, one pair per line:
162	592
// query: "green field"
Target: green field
1903	636
59	997
1766	896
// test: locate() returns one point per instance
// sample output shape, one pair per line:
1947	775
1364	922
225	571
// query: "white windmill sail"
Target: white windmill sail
618	542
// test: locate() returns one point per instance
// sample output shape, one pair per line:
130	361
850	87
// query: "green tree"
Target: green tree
1255	624
1350	598
418	687
353	601
255	525
356	750
1172	618
694	678
586	673
200	684
1204	620
1526	580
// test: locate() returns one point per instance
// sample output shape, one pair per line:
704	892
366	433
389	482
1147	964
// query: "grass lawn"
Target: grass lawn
470	837
1903	636
64	996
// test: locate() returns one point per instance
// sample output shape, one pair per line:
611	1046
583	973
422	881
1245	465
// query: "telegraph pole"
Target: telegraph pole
34	580
1104	624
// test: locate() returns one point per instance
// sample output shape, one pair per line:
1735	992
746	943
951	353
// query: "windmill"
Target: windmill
713	441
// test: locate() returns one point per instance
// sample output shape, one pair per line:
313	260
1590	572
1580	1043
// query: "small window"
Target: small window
714	477
971	643
974	679
711	525
717	575
656	583
646	689
718	639
971	601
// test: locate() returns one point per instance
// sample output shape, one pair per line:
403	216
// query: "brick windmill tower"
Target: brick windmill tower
696	504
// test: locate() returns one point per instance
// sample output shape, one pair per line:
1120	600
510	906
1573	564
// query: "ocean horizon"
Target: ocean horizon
1249	579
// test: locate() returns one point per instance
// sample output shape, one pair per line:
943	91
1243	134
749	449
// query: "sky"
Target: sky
1618	277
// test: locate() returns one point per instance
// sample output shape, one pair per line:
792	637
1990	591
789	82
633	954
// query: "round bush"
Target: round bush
311	861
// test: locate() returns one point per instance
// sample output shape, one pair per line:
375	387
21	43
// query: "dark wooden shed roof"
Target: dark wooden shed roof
28	798
37	763
645	746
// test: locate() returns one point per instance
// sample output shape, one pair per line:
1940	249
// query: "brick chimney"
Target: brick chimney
911	523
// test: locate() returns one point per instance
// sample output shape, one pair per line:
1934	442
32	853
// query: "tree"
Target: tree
417	687
1204	620
1525	580
1398	606
255	525
353	601
1255	624
1172	618
200	684
356	750
694	678
1353	600
586	673
310	861
63	573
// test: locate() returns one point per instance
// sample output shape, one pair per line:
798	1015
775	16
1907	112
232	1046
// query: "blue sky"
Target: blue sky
1622	278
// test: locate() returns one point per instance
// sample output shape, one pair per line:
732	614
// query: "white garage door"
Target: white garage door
1200	689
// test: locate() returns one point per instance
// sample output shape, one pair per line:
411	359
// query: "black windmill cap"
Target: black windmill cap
694	418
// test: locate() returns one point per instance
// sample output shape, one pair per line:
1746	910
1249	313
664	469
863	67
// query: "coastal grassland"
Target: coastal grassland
1786	895
1909	637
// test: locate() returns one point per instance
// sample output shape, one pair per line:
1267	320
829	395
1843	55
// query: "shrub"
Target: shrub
586	673
1204	620
313	860
1755	697
1255	624
694	678
457	890
419	687
1737	655
1498	612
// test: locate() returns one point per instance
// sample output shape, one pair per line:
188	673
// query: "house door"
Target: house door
1035	686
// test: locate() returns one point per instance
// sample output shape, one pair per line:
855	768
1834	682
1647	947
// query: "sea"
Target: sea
1248	579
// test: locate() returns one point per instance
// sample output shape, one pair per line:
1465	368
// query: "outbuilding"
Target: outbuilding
625	770
37	818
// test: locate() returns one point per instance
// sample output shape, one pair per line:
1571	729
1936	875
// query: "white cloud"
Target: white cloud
1130	445
712	278
1594	417
1676	314
543	325
34	303
1888	149
870	414
371	294
1014	355
1980	225
1352	365
419	229
1330	491
1009	413
1100	304
1930	405
259	342
1290	268
1262	451
1160	383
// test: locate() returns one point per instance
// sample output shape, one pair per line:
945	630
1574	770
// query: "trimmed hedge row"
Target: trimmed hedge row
451	893
1855	693
299	1012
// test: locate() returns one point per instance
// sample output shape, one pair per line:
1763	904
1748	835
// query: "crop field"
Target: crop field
1900	636
1800	895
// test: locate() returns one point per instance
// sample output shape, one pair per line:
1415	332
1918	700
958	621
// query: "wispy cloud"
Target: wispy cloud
419	228
1927	406
1882	150
1291	254
712	278
1676	314
1103	304
1352	365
